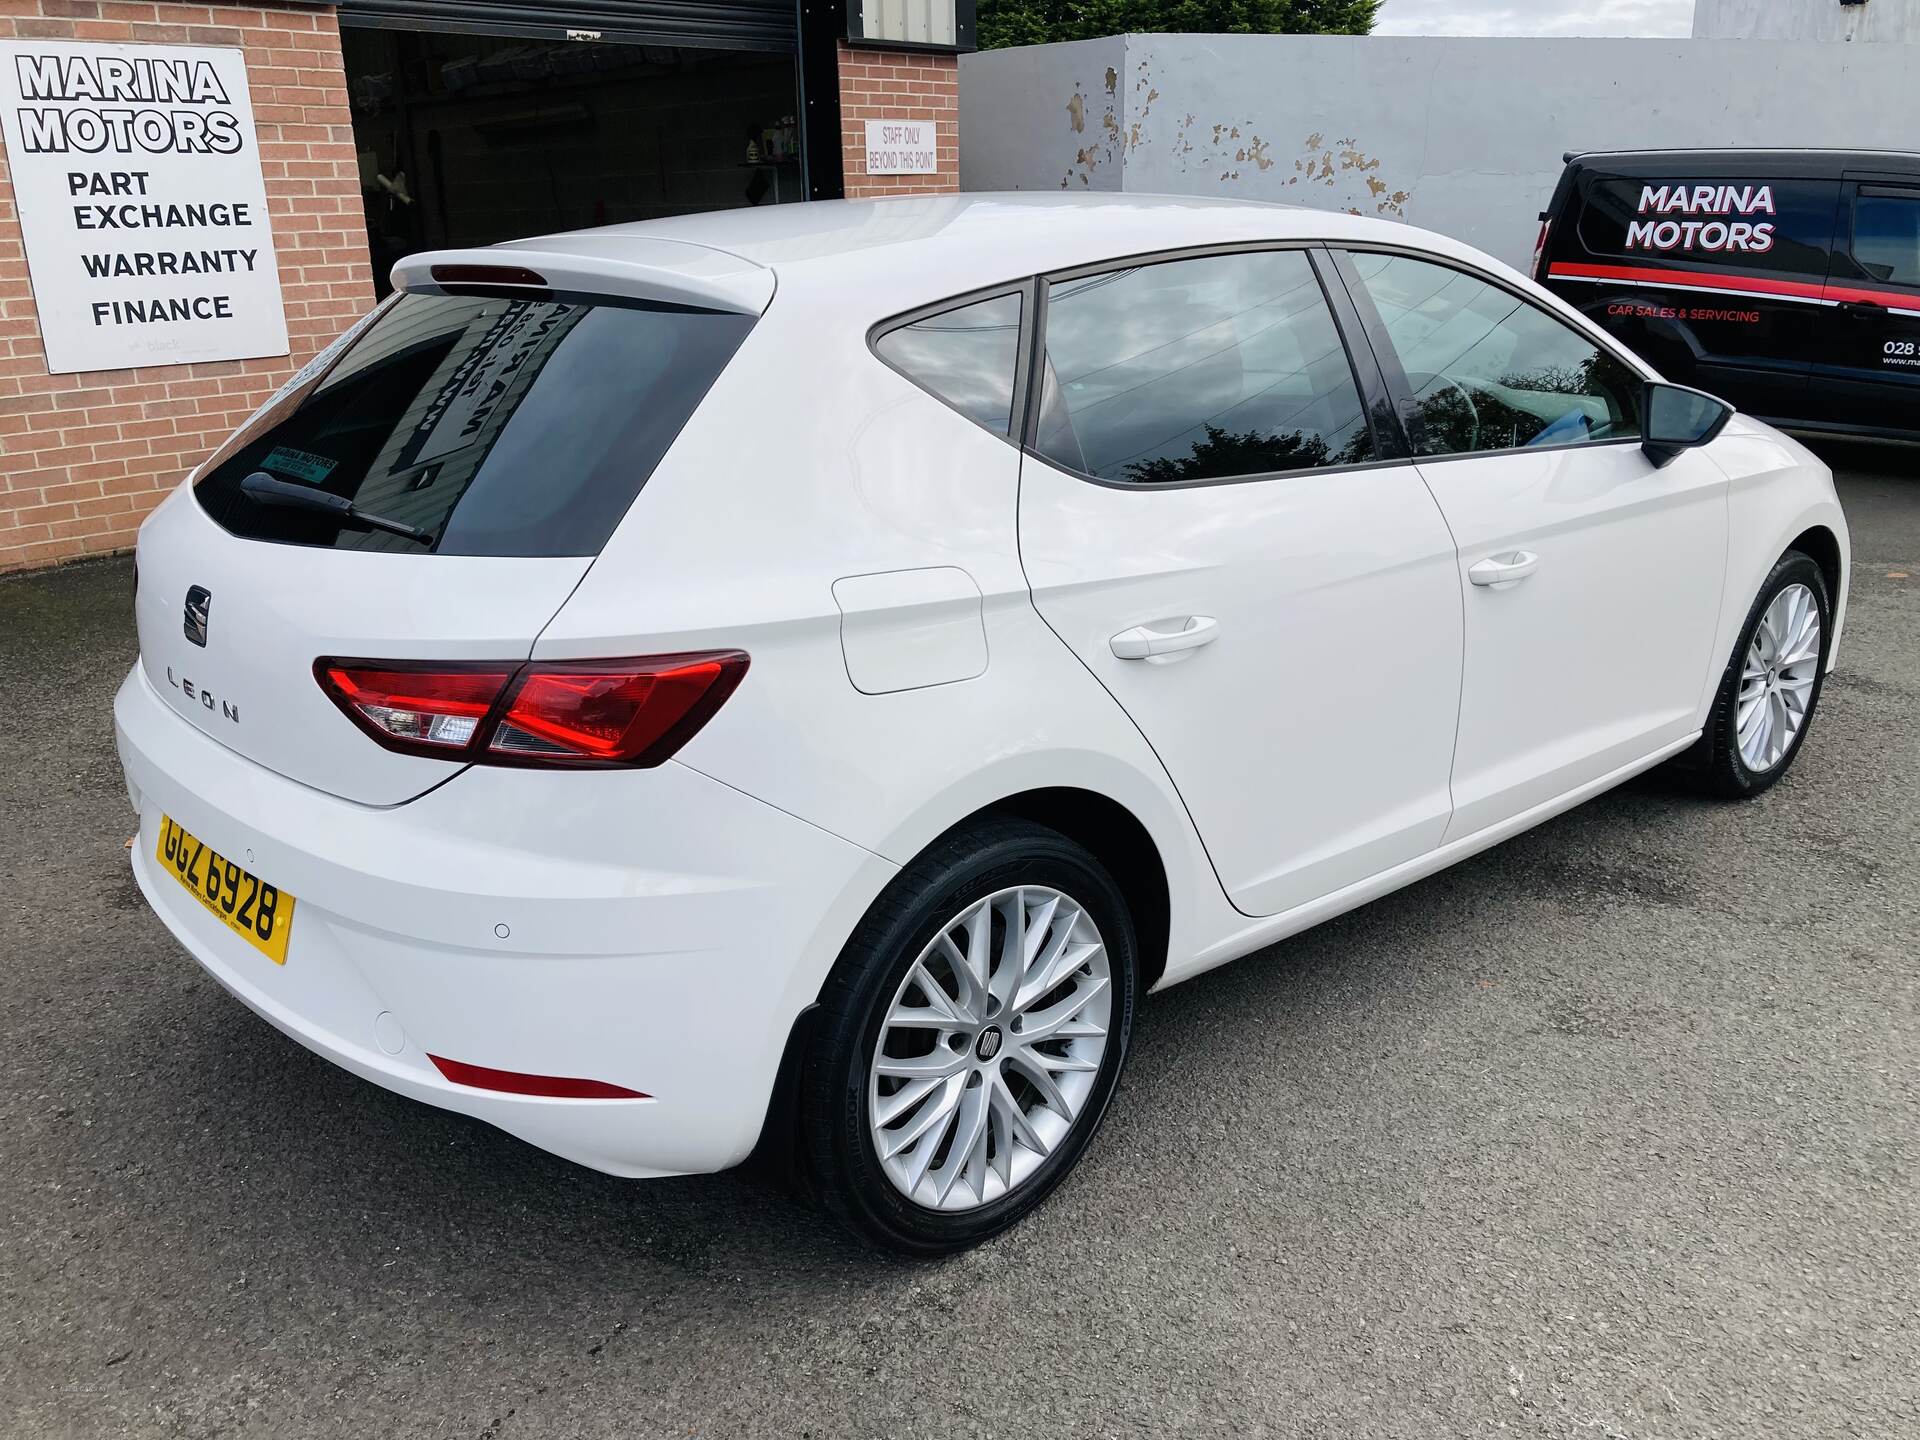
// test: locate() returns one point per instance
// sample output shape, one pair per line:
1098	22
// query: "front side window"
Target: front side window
493	426
1492	372
968	357
1203	369
1886	236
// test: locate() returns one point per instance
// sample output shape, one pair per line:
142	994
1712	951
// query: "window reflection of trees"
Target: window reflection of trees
1491	422
1250	452
1171	372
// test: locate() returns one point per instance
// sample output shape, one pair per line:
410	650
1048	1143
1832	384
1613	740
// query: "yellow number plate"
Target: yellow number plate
257	912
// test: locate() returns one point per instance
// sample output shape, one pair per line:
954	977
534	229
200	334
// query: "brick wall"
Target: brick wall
897	85
84	457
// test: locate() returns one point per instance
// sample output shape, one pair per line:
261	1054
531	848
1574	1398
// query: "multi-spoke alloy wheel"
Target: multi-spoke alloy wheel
965	1047
1776	682
1764	705
988	1052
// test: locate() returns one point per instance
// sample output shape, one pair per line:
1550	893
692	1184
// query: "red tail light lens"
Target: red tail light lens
1540	247
431	711
592	713
617	711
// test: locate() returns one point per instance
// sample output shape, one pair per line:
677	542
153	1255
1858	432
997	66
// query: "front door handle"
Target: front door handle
1502	570
1165	637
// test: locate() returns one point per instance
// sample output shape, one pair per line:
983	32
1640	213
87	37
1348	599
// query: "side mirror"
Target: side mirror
1678	419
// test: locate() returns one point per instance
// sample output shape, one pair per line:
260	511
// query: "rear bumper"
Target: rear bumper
654	930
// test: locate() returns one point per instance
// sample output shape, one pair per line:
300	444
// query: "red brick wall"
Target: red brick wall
84	457
897	85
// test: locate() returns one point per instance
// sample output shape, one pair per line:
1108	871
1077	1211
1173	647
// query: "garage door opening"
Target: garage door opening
469	139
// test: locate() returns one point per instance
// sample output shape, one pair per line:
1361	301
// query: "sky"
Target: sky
1535	17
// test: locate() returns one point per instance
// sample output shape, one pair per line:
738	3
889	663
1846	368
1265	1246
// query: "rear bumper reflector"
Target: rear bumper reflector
512	1082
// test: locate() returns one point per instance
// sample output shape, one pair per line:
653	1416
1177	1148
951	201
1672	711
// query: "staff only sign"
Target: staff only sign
136	177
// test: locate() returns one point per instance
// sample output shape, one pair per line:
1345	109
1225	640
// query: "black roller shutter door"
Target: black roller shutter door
726	24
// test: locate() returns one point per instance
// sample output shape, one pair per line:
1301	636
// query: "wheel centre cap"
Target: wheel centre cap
988	1045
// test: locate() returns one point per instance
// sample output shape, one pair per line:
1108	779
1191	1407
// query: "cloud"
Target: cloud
1540	17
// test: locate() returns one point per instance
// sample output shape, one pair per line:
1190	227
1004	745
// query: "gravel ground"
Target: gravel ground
1611	1131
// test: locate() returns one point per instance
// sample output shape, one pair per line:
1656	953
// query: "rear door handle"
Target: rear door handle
1508	569
1165	637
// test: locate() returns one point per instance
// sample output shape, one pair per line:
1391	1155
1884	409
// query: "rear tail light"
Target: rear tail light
431	711
1540	247
572	714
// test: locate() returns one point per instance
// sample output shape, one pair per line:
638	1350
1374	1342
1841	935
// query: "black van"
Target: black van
1787	281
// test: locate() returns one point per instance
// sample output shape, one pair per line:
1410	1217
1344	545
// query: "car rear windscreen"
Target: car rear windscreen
493	426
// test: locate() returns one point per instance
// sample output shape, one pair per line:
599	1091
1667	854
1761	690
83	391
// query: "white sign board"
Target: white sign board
901	147
136	177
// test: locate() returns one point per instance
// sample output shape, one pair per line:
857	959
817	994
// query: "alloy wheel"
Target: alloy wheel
1777	678
990	1048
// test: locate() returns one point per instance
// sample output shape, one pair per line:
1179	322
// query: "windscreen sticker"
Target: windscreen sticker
1718	219
300	464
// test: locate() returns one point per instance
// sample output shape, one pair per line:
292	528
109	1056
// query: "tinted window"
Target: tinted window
1198	370
501	427
1886	237
1784	225
1490	371
968	357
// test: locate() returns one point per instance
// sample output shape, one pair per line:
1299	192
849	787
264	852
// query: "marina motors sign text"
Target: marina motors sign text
136	177
1712	219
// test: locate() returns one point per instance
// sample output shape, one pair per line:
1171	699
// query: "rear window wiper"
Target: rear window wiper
265	489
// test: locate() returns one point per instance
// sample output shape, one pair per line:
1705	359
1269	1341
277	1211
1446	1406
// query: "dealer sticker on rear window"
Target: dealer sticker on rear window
300	464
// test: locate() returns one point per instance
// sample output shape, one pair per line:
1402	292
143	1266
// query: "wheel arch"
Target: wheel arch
1781	498
1115	837
1822	546
1107	829
1110	830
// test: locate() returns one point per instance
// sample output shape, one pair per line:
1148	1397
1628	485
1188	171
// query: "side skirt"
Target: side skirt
1303	917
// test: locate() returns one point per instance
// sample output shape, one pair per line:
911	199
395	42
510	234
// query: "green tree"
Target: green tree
1035	22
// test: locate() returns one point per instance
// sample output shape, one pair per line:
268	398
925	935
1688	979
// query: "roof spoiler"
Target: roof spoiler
627	267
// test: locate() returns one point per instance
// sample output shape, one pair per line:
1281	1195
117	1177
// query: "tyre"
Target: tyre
969	1039
1764	707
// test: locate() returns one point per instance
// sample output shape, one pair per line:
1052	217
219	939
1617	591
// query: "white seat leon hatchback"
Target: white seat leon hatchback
796	678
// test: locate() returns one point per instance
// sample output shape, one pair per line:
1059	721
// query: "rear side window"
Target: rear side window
1886	235
497	426
1491	372
1754	223
1217	367
967	356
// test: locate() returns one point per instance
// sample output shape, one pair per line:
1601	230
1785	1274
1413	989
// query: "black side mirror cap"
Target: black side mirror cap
1675	418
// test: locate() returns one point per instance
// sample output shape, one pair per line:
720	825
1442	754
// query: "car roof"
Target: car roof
1785	164
880	257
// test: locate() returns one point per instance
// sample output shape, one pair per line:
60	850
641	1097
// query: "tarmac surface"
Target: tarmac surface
1611	1131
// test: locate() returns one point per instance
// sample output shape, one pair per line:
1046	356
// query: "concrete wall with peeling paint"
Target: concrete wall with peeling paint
1897	21
1464	136
1046	114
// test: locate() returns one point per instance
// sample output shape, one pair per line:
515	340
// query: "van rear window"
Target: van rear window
490	426
1777	225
